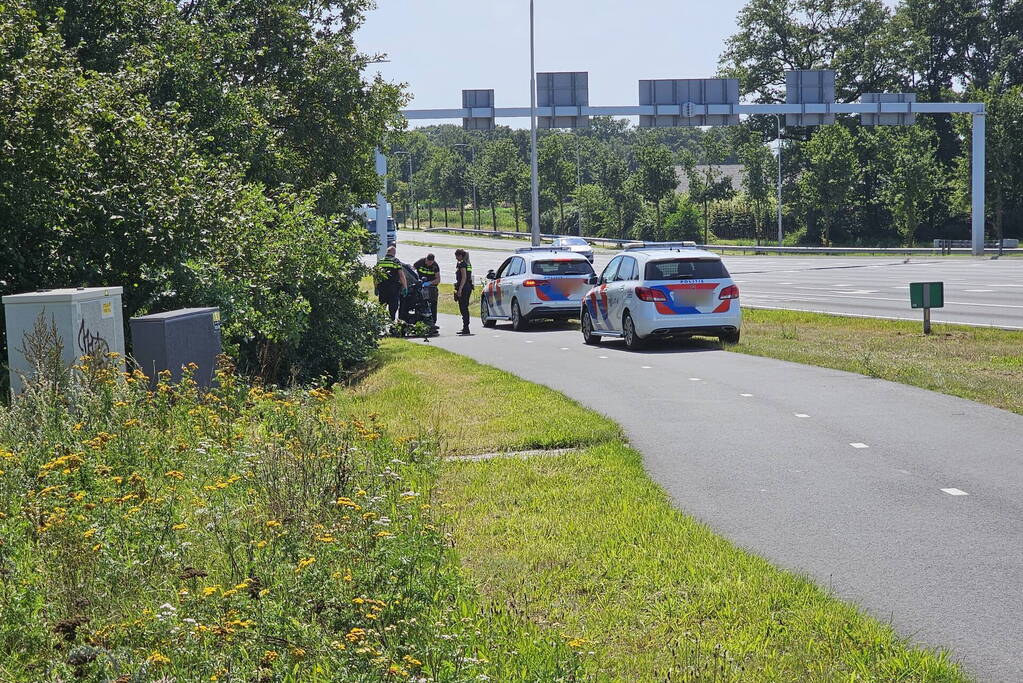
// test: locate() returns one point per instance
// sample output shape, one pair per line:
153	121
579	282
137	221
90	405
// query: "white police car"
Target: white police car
662	291
536	283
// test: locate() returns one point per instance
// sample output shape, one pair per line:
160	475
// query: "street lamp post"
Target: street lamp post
472	160
534	183
578	183
411	189
777	119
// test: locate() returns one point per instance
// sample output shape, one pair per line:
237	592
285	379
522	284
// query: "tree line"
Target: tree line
196	152
842	184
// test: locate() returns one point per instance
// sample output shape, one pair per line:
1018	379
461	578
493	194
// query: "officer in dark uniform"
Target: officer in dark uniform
463	287
391	281
429	271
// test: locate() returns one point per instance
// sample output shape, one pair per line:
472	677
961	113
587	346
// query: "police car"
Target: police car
536	283
662	291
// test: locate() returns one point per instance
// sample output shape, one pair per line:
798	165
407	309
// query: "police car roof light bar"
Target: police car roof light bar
659	245
524	250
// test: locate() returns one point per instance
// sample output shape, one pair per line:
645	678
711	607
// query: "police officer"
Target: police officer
429	271
391	281
463	287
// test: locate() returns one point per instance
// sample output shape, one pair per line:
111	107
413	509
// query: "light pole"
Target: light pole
777	120
534	183
475	213
578	183
411	189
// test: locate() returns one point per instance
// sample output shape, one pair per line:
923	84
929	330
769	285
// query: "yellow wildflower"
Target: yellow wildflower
209	590
384	534
174	474
179	527
273	523
158	659
303	563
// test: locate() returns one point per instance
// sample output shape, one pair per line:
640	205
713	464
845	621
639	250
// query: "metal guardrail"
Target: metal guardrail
748	248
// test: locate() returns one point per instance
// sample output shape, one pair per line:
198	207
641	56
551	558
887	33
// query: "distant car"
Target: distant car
537	283
662	291
577	245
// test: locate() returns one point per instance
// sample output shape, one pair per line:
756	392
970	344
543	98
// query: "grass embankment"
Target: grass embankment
980	364
237	535
586	546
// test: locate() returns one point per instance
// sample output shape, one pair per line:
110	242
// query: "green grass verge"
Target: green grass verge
586	546
238	534
980	364
464	406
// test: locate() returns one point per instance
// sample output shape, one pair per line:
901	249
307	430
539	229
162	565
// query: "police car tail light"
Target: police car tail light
648	294
534	283
729	292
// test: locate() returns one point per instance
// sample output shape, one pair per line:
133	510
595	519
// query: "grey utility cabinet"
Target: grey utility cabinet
87	319
169	340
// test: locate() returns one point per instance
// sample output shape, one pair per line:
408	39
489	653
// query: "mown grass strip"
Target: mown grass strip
587	546
980	364
470	408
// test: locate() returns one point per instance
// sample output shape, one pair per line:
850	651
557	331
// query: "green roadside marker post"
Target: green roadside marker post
927	295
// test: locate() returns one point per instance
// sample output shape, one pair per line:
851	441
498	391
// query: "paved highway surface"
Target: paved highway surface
978	291
904	501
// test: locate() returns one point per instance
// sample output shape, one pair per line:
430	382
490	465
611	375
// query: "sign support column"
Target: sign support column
382	212
978	184
534	192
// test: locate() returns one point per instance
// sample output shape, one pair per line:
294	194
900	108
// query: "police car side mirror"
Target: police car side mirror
491	275
593	280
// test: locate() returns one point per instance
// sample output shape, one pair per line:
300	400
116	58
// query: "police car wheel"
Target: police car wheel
587	326
485	314
632	340
519	322
729	337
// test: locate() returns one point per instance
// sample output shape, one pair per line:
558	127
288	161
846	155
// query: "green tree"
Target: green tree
707	184
830	176
612	174
655	175
557	173
911	178
1004	149
758	182
853	37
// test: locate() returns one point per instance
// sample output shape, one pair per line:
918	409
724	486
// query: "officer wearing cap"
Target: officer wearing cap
391	281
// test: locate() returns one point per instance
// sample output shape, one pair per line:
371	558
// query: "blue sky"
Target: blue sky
439	47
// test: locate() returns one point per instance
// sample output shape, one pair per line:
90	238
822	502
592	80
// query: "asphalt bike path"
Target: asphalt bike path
907	502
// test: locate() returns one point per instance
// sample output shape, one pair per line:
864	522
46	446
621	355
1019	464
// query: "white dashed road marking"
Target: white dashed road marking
602	356
859	445
800	414
564	348
647	367
529	341
746	395
695	379
955	492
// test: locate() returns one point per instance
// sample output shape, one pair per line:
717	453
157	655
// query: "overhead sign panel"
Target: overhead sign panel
480	104
568	92
812	89
896	116
690	102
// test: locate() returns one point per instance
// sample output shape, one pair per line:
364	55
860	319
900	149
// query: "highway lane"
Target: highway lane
979	291
904	501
